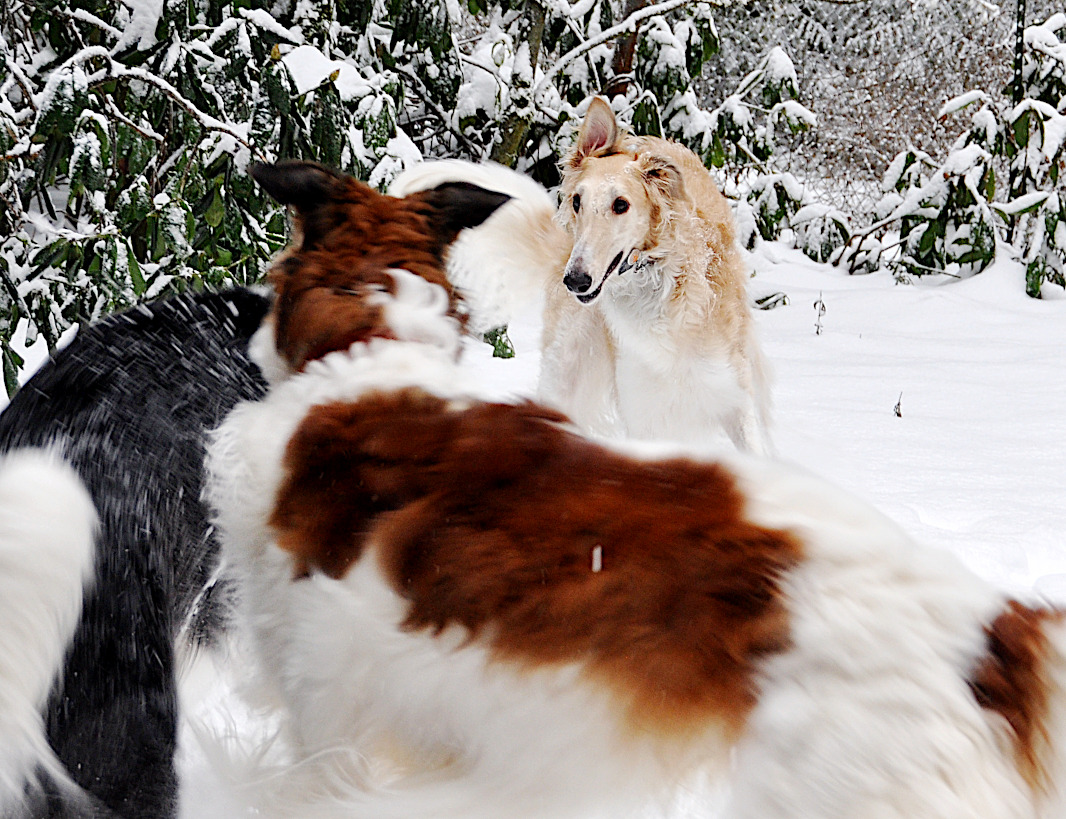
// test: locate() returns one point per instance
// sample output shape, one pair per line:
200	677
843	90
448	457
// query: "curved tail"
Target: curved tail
1020	680
47	531
1049	734
506	264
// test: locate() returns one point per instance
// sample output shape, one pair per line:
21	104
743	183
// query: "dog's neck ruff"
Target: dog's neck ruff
417	312
640	280
643	264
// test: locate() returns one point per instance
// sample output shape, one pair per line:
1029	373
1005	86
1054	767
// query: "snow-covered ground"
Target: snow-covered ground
975	462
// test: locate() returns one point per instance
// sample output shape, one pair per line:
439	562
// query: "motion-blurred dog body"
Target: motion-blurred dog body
109	571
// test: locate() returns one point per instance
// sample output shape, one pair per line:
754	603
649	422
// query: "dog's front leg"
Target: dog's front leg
577	364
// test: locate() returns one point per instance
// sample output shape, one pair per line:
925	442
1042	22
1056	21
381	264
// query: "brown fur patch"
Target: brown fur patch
349	241
1011	681
489	517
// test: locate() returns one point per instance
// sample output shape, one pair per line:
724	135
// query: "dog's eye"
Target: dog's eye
577	203
620	206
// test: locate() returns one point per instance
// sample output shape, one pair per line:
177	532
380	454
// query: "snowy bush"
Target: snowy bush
863	255
944	219
1034	139
743	129
774	198
126	131
126	126
950	217
820	230
776	202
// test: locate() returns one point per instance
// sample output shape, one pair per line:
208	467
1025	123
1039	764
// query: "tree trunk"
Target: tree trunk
1016	179
1019	51
516	127
625	49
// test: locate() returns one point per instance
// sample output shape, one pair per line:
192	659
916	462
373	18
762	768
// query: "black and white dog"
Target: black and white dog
88	697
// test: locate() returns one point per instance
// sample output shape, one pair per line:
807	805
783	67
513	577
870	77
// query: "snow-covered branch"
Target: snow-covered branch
442	115
85	17
627	26
118	71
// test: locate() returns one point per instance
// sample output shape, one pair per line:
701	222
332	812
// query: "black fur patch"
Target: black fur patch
129	401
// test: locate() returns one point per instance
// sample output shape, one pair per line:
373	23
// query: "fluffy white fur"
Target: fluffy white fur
354	683
866	714
499	266
47	529
884	635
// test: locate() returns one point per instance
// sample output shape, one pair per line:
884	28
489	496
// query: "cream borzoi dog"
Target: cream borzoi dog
647	329
551	627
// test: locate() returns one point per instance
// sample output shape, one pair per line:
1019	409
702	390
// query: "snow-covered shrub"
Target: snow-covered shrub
774	199
944	220
743	129
126	126
859	254
670	54
951	216
1044	240
644	56
1030	140
820	230
128	130
1034	139
773	203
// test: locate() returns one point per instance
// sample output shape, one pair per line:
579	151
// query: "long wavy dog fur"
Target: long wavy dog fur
647	332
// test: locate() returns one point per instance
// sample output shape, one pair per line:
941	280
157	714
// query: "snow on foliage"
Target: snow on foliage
952	217
125	133
126	130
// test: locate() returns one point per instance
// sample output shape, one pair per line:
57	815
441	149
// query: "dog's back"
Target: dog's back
127	403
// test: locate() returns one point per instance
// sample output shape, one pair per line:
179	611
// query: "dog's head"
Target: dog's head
616	200
362	265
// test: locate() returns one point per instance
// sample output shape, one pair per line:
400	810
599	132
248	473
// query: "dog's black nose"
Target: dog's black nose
577	281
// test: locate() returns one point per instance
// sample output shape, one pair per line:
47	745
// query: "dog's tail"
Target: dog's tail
1021	680
47	532
504	265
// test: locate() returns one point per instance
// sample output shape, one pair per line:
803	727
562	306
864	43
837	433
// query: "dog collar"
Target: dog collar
629	262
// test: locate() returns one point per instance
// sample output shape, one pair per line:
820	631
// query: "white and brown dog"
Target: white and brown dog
647	329
550	627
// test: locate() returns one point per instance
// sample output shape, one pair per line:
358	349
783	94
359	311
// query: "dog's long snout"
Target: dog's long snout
577	280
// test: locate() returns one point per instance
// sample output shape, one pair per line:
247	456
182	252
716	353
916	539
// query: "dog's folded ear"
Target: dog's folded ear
663	175
460	205
297	183
599	130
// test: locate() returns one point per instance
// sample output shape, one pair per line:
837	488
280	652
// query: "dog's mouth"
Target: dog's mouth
618	262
